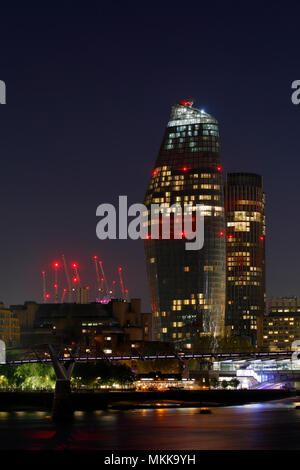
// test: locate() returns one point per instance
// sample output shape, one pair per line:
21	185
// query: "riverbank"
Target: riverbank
91	401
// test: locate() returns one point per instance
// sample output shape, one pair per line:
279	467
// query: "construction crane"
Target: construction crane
44	286
113	289
104	278
56	265
76	278
126	294
97	274
121	283
67	278
63	295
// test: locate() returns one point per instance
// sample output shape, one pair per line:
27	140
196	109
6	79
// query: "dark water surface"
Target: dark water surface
273	425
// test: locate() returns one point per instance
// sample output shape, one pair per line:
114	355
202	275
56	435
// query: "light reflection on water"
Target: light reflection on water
255	426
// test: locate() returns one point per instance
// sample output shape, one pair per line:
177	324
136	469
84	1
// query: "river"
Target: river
273	425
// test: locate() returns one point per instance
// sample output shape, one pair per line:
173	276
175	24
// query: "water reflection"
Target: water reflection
256	426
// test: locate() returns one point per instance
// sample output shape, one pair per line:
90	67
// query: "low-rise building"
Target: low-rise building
282	323
9	326
109	328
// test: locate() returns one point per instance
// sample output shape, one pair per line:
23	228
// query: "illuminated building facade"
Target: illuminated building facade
245	255
282	324
187	287
9	326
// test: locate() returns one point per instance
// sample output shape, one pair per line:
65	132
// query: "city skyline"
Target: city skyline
67	143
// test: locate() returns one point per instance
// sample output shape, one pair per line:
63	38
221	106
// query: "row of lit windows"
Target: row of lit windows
245	216
247	283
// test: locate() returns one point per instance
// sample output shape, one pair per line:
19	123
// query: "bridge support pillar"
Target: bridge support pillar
62	404
62	409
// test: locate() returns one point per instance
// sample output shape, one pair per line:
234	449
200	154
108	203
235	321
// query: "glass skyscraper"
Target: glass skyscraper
187	288
245	252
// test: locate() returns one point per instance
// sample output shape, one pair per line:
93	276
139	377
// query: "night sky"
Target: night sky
89	90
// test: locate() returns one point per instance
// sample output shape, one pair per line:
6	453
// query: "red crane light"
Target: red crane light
186	102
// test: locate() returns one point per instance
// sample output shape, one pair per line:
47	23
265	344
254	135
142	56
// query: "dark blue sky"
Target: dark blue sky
89	90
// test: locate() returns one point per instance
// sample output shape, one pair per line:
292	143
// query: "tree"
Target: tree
234	383
91	374
224	384
234	344
33	376
165	366
213	382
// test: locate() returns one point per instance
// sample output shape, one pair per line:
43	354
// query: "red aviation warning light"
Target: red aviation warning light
186	102
74	279
74	265
154	173
219	168
47	296
230	237
262	238
221	233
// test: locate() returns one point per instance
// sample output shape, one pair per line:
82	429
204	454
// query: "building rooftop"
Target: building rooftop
183	113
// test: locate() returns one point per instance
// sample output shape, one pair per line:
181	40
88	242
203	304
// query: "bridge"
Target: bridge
64	358
150	357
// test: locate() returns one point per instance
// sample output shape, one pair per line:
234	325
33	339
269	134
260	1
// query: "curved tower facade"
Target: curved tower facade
245	219
187	288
